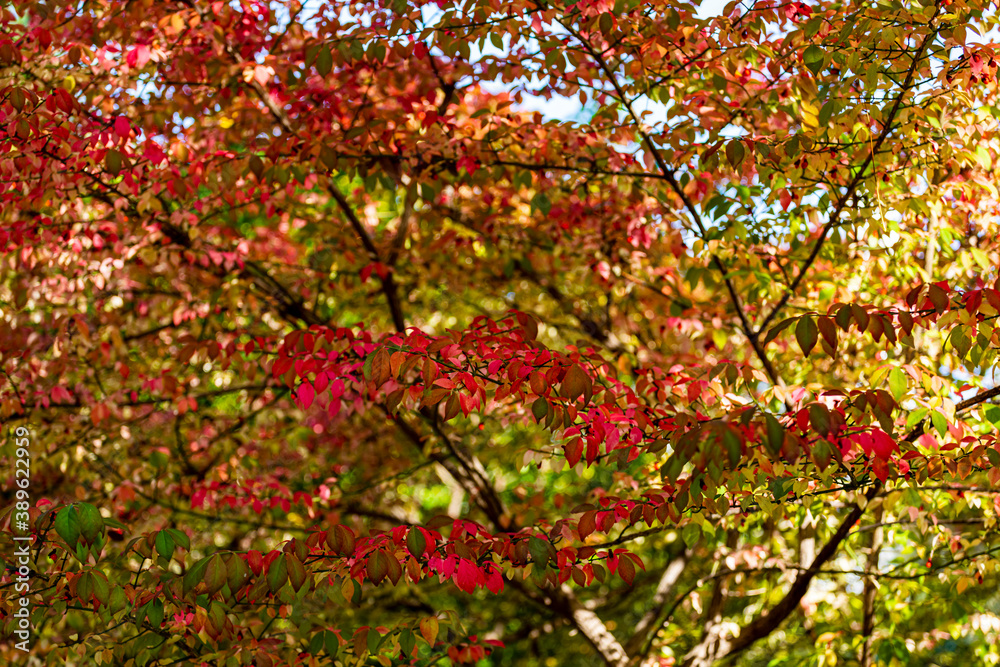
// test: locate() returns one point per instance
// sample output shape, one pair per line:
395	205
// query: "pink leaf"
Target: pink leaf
306	395
467	575
138	57
122	127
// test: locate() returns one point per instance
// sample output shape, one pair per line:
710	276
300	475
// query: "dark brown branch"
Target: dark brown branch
764	625
388	283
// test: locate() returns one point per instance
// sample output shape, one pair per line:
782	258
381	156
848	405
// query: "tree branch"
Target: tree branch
834	218
871	586
641	641
767	623
388	282
668	174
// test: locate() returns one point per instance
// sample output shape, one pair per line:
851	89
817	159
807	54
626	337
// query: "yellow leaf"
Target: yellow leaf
809	115
429	629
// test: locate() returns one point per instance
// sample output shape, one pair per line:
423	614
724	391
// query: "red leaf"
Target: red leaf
786	199
573	450
576	384
378	566
494	581
626	570
588	524
467	575
341	541
381	367
882	444
138	57
122	127
306	394
256	561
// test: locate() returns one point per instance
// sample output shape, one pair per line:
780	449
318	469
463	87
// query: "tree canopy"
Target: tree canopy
320	346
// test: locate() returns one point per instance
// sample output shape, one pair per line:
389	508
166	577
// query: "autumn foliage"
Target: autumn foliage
334	351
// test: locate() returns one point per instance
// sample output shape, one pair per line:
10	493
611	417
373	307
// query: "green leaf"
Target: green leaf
102	589
813	58
542	203
85	587
68	525
960	341
91	522
734	446
775	434
237	573
993	455
179	538
735	152
154	612
540	408
898	384
606	22
539	550
691	533
330	643
416	542
992	413
407	642
826	112
777	329
843	317
374	639
277	574
819	418
164	544
117	600
316	643
194	575
915	418
806	334
215	574
113	161
324	61
780	486
939	422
